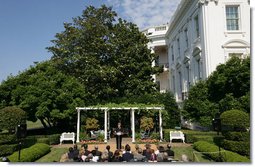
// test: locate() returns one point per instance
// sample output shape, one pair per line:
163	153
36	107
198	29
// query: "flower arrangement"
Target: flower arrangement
91	142
147	141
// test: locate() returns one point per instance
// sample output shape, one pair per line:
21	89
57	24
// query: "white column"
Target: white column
133	125
78	126
108	120
105	126
160	126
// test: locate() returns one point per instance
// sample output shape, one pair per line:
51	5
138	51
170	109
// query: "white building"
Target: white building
201	35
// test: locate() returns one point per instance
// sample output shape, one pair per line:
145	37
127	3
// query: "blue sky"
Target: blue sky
27	26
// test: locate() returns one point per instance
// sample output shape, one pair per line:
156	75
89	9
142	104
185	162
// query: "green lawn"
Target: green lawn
54	155
179	151
36	124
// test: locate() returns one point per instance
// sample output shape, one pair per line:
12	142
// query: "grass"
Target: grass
31	125
179	151
54	155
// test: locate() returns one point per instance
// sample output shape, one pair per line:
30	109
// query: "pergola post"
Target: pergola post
105	125
160	126
78	126
133	125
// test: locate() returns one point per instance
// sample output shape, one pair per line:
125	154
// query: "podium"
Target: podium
118	136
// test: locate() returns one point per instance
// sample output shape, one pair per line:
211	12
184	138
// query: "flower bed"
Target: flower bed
91	142
154	141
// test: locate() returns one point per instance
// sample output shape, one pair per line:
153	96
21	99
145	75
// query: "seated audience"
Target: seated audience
169	151
147	151
110	153
138	157
127	156
117	157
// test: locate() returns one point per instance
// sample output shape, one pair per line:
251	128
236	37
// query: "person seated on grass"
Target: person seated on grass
104	156
147	151
153	157
128	156
116	156
70	153
89	158
184	158
75	153
136	149
96	154
157	151
110	153
64	158
138	157
169	151
86	151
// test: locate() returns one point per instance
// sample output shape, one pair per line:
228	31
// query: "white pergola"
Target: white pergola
107	121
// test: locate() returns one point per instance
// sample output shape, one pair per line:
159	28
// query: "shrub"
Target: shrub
146	123
7	138
137	136
31	154
239	147
10	117
155	135
226	156
8	149
237	136
54	139
43	140
235	120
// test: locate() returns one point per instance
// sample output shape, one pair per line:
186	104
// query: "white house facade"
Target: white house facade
201	35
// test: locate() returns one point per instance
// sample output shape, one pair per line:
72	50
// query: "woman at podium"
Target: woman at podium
118	134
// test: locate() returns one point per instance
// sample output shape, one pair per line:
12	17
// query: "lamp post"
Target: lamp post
216	123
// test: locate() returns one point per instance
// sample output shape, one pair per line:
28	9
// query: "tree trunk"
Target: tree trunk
43	123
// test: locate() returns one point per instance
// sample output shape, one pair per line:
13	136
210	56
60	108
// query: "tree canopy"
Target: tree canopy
44	93
226	88
107	54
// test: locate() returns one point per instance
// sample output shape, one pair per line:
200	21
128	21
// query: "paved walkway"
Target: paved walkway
112	143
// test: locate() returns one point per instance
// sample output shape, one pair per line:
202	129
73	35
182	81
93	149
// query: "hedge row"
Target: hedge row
8	149
192	136
239	147
237	136
226	156
7	139
31	154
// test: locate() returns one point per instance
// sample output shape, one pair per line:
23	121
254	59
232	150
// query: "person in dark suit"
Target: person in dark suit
169	151
118	134
127	156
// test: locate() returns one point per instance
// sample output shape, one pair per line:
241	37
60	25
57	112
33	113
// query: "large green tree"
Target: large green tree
107	54
226	88
44	93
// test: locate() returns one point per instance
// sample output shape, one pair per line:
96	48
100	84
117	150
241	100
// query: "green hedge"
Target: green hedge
43	140
8	149
54	139
239	147
237	136
227	156
31	154
7	139
192	136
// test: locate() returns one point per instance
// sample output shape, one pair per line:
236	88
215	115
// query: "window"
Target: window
172	51
179	49
197	26
186	38
232	17
180	82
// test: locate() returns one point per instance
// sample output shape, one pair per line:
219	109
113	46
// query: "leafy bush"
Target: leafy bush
10	117
7	138
239	147
237	136
43	140
155	135
137	136
226	156
8	149
91	124
31	154
146	123
54	139
235	120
